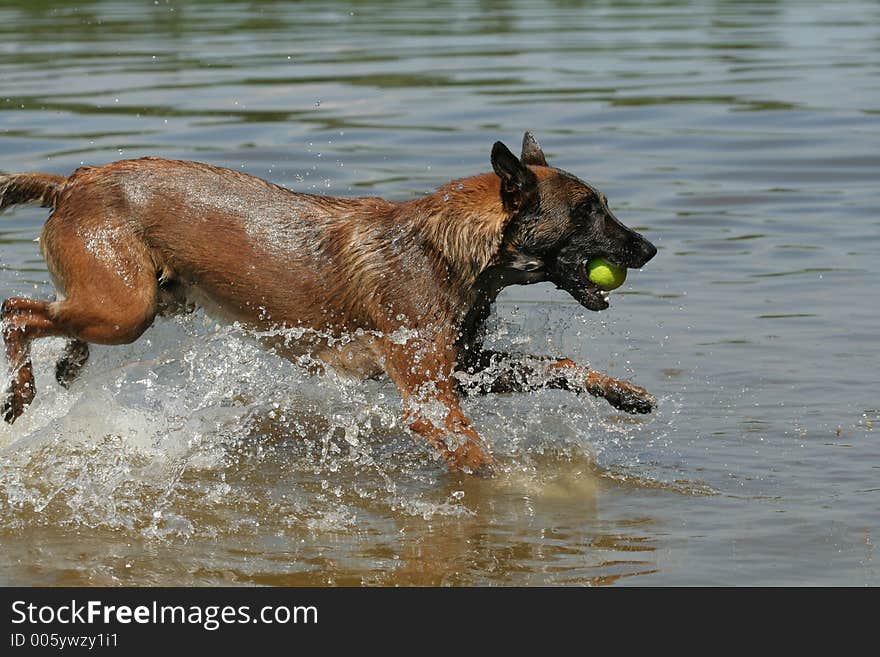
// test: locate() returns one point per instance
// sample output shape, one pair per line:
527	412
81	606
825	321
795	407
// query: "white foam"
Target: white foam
196	430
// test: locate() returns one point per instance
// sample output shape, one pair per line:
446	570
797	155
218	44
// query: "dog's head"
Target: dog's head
559	222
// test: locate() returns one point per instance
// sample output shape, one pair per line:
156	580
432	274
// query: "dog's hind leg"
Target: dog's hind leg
23	321
109	296
498	372
76	353
27	320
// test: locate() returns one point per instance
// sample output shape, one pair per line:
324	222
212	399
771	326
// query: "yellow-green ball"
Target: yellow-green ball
606	275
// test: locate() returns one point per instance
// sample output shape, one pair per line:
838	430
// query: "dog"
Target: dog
366	286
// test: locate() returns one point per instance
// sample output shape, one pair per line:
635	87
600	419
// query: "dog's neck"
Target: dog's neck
464	222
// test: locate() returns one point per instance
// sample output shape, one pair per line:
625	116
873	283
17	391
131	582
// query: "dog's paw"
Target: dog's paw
12	406
630	398
472	459
485	471
19	394
70	364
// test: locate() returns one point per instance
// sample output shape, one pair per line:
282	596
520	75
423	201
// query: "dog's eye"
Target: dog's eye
582	214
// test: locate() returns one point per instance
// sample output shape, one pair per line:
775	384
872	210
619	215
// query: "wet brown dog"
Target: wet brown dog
363	285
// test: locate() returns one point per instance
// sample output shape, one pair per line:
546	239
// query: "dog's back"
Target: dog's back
256	252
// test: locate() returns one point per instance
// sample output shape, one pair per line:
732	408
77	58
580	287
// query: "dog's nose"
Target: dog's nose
641	254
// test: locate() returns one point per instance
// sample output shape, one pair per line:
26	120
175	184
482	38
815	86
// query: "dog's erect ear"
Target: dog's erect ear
519	185
531	151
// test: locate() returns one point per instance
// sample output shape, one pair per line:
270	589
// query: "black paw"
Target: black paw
11	407
73	359
630	398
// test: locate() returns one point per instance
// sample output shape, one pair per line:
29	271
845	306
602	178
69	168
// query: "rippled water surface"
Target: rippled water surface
741	138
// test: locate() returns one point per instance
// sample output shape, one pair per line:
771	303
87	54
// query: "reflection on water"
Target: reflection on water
739	137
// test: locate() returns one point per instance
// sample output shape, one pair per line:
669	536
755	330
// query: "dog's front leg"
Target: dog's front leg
422	371
500	372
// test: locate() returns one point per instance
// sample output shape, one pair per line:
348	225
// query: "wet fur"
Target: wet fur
134	237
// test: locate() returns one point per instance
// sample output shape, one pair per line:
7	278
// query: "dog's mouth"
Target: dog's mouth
575	280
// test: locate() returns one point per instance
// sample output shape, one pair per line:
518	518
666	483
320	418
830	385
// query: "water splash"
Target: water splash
197	431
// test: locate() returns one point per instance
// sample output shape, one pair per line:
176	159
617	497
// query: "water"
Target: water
741	138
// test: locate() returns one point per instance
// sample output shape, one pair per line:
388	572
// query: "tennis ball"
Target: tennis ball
606	275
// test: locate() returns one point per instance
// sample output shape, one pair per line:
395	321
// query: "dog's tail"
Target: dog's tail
18	188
